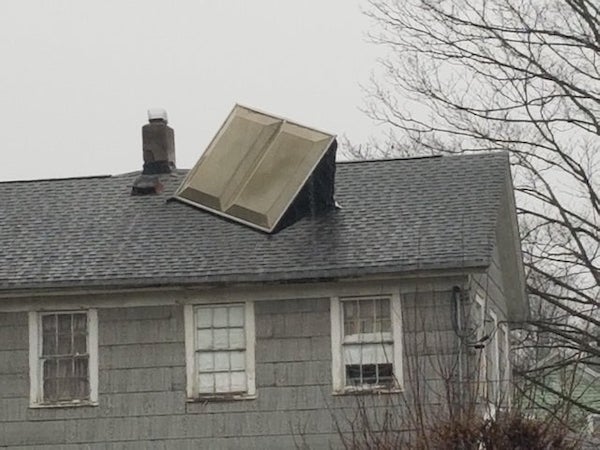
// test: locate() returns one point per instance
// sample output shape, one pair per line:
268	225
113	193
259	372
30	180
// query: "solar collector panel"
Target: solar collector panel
254	168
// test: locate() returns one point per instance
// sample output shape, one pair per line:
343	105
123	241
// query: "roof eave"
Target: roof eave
312	275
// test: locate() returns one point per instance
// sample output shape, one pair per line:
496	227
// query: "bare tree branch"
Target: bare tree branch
521	76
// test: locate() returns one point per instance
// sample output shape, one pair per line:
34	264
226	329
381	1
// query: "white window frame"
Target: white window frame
190	350
36	383
493	350
338	372
505	382
482	380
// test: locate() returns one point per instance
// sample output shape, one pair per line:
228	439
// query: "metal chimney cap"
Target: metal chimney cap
157	114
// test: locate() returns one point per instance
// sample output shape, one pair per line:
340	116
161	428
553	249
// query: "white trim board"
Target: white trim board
160	297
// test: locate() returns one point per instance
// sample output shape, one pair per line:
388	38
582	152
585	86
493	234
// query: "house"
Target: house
566	386
130	320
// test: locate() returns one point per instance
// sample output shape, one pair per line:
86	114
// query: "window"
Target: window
505	372
481	345
63	358
489	337
493	357
220	350
366	343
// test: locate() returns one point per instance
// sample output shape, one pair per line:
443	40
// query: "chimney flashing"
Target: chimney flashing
147	184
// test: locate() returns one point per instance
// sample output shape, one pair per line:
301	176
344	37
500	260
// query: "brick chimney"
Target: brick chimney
158	144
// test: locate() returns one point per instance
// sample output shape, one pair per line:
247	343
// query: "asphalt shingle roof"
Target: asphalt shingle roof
396	215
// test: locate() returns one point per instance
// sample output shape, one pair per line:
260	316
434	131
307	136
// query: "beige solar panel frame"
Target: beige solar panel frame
254	167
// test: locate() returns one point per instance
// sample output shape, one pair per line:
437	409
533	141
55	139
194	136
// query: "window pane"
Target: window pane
237	339
350	310
50	369
82	388
49	323
64	323
80	381
65	368
383	308
383	326
219	317
369	374
383	321
206	383
50	394
366	326
80	323
385	373
64	344
49	334
350	327
236	316
238	360
238	381
204	361
222	382
222	361
204	339
366	309
65	388
80	367
203	317
221	338
80	344
353	375
49	344
366	314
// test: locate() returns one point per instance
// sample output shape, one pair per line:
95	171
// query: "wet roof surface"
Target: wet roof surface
396	215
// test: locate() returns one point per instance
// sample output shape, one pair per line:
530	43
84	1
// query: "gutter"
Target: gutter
211	282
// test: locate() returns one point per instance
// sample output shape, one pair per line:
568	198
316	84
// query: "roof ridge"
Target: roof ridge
412	158
37	180
374	160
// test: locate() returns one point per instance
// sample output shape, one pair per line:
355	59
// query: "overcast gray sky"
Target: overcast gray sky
77	76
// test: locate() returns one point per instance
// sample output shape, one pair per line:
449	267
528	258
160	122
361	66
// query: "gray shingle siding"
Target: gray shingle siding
142	385
142	399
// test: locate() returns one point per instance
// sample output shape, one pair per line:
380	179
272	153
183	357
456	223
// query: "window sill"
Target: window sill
367	391
221	398
77	404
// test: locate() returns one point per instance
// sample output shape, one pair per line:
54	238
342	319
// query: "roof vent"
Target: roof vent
263	171
158	143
